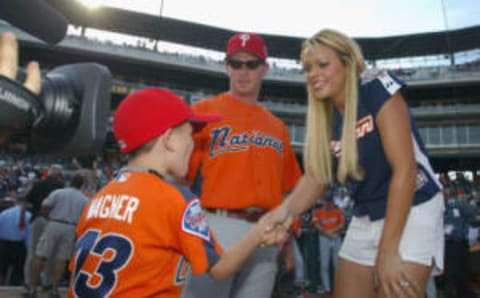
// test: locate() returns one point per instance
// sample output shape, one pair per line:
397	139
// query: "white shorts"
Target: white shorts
422	241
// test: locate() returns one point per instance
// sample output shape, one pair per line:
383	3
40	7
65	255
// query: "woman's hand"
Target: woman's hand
277	225
391	276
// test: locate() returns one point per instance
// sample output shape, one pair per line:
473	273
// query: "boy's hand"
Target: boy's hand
270	237
278	221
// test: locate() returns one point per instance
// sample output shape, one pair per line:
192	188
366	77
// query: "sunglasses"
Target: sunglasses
250	64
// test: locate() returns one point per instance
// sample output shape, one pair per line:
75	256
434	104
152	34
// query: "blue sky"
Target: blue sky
302	18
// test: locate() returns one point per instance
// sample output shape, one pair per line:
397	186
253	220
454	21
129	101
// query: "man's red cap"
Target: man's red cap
147	113
248	42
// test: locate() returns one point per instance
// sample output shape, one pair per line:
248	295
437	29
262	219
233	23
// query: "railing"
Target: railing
445	136
431	110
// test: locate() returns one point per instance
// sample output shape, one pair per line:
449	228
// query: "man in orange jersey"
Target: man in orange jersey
330	223
241	168
139	233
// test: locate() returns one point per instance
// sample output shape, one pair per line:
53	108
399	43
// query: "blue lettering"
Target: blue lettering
223	141
235	140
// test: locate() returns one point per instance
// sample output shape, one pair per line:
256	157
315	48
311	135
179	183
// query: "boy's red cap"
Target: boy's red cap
147	113
248	42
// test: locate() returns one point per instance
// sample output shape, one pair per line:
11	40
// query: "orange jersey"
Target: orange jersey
328	220
244	160
136	238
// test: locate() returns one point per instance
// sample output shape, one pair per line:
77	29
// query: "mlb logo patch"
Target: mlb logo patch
123	177
195	220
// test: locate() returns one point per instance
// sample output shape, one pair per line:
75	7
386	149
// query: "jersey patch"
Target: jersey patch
389	83
195	220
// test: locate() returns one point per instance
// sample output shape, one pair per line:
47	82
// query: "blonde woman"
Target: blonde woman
360	132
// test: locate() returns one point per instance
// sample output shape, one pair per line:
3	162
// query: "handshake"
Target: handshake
274	227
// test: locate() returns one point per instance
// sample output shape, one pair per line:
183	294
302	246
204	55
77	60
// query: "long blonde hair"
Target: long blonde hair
317	155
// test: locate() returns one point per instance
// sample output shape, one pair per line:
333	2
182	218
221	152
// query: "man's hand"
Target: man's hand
277	226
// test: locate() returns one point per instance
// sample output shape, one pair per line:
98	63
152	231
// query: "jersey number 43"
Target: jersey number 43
109	252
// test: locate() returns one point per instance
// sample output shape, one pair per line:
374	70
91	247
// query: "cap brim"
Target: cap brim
245	51
199	121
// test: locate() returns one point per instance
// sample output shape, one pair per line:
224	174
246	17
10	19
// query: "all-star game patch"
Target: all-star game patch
195	220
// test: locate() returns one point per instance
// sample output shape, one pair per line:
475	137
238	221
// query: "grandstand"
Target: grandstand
442	70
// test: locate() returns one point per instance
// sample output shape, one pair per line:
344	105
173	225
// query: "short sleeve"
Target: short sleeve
50	200
201	139
377	87
197	241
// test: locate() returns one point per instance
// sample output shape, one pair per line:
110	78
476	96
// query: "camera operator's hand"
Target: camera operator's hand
9	63
9	68
64	113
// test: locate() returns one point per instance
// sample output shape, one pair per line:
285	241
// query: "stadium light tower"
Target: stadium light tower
161	8
447	33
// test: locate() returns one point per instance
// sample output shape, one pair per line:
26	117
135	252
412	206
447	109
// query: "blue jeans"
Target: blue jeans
329	248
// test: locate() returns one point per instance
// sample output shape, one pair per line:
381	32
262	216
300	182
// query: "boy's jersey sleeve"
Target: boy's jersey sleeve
196	239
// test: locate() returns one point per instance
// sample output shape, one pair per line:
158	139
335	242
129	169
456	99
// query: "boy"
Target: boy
140	232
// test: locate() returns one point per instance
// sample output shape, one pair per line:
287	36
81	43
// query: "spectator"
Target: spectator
474	267
330	223
40	190
458	215
301	279
13	238
63	208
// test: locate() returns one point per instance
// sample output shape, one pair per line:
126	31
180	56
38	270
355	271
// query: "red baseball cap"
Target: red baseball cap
248	42
147	113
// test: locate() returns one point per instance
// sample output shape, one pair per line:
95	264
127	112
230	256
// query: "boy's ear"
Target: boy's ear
166	138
